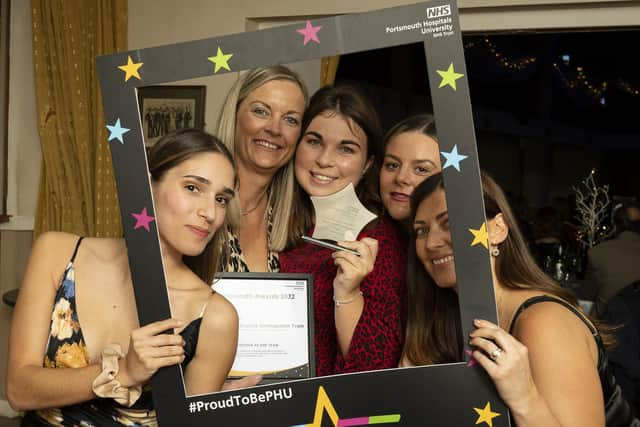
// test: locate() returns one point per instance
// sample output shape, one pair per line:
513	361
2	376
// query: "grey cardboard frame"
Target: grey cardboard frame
458	394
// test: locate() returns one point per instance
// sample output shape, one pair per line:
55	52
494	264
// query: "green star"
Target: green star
221	60
449	77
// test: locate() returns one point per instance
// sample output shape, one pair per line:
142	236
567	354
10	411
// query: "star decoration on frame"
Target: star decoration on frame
486	415
449	77
131	69
221	60
142	219
453	158
116	131
480	236
310	33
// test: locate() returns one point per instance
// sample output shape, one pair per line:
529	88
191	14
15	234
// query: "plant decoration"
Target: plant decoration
592	206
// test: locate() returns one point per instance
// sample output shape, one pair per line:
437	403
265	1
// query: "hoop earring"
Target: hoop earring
495	251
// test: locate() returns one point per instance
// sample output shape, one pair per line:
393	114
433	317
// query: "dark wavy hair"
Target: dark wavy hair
433	328
423	123
350	102
173	149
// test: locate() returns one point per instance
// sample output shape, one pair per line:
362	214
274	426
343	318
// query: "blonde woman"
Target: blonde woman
260	124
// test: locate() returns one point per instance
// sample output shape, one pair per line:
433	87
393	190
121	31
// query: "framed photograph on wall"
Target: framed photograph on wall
164	109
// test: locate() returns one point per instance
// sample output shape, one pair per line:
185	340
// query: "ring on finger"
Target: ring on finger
496	353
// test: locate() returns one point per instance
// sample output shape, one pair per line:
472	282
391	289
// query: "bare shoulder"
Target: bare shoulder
220	315
56	243
547	323
54	249
103	249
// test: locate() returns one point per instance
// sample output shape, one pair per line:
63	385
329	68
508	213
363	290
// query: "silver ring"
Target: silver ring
496	353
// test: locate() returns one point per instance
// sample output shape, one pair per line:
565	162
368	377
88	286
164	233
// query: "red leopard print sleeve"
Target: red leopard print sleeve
377	339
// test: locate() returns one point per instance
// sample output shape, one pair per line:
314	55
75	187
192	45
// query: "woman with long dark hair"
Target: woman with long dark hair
546	357
357	298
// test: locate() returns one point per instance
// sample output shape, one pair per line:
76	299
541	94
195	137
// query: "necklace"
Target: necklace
247	212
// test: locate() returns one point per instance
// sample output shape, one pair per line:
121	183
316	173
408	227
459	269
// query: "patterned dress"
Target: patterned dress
377	338
66	349
236	262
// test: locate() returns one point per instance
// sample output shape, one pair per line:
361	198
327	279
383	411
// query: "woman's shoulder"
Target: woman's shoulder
220	314
544	316
58	239
56	247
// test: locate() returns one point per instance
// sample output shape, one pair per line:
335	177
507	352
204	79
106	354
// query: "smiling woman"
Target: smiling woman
260	124
356	296
546	357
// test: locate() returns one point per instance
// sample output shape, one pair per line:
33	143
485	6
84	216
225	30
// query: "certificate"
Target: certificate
275	312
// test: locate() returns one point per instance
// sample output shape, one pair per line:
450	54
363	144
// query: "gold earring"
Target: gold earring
495	251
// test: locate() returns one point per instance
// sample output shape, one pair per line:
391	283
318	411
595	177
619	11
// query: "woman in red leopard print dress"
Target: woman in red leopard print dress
357	299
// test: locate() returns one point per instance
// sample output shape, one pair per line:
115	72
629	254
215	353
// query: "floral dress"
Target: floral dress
66	349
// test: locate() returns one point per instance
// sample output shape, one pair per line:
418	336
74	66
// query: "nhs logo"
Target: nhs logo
438	11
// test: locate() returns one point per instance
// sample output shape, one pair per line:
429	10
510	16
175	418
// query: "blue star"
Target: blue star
453	158
117	131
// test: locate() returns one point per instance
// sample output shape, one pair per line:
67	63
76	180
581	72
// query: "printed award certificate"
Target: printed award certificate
275	311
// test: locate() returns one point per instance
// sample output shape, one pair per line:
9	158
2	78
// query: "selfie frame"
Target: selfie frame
457	394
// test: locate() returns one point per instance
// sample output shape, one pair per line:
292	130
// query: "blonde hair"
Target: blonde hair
281	190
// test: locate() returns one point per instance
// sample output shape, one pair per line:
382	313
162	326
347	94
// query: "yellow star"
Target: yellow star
131	69
480	236
486	415
221	60
449	77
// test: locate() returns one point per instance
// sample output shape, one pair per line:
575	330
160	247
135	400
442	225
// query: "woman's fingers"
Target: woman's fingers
155	328
488	347
366	247
490	331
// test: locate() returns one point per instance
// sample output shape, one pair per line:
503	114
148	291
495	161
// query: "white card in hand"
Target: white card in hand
340	216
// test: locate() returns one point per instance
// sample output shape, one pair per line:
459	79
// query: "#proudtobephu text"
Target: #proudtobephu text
238	400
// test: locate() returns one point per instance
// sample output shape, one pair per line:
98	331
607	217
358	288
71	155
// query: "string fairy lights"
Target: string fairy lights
582	79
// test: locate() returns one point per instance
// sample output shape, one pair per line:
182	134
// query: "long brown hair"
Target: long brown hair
173	149
350	102
433	330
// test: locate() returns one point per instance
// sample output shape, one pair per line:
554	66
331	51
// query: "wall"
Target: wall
24	159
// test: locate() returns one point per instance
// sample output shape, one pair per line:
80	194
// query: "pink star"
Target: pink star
310	33
142	219
471	361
